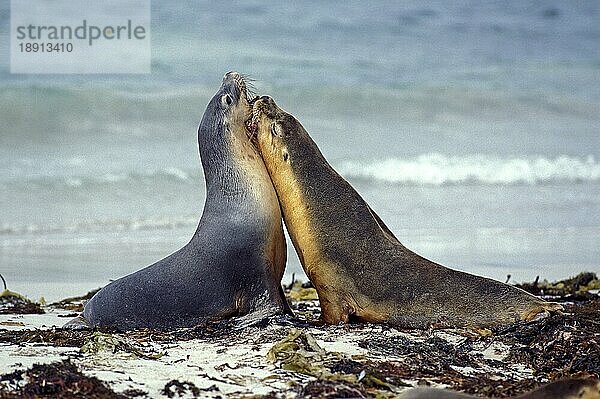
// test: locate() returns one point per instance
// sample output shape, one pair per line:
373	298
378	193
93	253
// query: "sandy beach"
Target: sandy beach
291	357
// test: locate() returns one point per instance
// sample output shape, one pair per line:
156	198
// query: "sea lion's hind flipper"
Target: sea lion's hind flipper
541	311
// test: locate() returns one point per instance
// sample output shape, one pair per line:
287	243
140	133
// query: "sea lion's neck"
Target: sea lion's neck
319	204
237	181
241	196
220	170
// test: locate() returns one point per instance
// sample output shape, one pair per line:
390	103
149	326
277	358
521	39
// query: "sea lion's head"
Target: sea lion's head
225	115
284	144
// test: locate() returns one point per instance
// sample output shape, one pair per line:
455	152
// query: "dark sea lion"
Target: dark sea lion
566	389
358	267
234	263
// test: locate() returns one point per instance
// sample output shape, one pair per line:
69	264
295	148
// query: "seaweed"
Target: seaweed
430	357
329	389
299	352
55	380
574	288
557	347
135	393
54	337
301	292
15	303
114	343
76	303
563	345
179	388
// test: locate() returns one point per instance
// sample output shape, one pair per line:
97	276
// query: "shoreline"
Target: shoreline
298	357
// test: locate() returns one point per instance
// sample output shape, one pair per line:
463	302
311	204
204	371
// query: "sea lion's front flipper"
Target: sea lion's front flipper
259	317
78	323
286	306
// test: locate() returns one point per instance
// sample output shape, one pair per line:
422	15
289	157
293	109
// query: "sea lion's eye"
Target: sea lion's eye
226	100
285	156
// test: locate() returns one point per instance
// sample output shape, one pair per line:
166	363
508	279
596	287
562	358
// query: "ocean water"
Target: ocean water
472	128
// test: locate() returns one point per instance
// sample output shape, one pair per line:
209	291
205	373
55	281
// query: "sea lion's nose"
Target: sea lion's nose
231	75
267	100
267	103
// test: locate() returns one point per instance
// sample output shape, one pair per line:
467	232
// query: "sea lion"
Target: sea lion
359	268
234	263
577	388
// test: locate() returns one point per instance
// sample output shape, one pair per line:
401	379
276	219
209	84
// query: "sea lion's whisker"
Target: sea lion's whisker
247	77
251	88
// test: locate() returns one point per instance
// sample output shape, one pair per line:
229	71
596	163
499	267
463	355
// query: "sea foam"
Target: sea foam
439	169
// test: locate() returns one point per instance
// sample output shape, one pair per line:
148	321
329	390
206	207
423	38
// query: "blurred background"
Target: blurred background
471	127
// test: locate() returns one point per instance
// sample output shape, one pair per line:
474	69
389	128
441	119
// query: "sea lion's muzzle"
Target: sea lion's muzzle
239	86
236	79
265	105
261	106
238	95
252	122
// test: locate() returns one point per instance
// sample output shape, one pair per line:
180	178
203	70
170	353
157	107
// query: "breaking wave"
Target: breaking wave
439	169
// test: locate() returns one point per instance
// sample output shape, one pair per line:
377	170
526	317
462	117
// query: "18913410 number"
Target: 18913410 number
46	47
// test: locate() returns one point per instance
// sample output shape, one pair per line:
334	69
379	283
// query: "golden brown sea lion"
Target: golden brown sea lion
358	267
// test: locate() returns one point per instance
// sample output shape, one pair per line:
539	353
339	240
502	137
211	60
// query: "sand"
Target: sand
297	357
